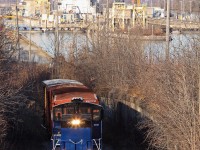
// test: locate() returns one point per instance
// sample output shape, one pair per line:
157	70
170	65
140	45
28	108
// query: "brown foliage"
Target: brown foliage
172	96
170	89
19	86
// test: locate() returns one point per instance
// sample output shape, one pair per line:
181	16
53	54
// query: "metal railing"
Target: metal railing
57	142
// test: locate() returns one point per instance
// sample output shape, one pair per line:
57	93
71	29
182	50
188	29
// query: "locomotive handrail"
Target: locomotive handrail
81	141
98	145
56	144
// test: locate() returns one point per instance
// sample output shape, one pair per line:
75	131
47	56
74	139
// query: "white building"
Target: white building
76	9
80	6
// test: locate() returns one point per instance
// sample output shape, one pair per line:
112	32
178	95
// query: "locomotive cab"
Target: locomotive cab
72	115
77	125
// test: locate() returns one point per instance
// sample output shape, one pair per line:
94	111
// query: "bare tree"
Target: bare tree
171	90
172	96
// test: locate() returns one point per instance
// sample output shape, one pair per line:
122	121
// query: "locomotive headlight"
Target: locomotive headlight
76	122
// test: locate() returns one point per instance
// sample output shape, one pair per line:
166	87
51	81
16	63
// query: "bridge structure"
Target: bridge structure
175	24
28	23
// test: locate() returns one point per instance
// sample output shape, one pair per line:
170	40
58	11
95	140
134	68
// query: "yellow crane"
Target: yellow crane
138	2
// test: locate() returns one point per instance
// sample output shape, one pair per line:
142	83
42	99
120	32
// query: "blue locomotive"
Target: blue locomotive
73	115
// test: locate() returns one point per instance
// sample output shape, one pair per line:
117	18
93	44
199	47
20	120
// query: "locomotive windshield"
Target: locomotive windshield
57	114
85	111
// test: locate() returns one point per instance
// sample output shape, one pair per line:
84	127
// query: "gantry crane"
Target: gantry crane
139	14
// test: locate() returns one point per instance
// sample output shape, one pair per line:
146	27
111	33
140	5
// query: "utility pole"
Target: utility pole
164	6
29	54
167	31
57	33
181	10
191	10
107	16
17	27
57	45
172	5
183	7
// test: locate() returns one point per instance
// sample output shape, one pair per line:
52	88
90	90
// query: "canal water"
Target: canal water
179	43
77	40
67	41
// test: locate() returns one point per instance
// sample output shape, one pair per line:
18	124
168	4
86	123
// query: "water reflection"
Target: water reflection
180	42
67	41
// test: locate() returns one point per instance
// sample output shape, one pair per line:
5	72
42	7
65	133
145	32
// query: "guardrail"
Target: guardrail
174	23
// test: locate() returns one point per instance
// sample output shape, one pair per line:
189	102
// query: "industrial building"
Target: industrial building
125	15
76	10
68	11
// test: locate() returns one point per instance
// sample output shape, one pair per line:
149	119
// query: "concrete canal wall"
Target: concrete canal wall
30	51
125	110
121	120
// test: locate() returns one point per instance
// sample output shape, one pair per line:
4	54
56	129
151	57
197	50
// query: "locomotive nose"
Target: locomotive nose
76	138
